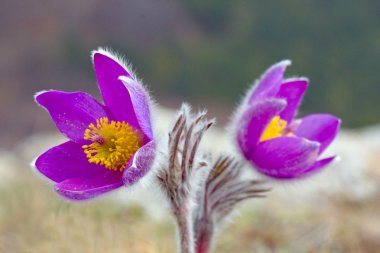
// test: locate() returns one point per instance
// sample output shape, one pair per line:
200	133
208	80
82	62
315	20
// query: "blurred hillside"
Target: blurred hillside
204	52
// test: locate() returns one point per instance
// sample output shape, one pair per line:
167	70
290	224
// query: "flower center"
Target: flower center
276	128
113	143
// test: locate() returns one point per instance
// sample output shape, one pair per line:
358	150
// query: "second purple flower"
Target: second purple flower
269	136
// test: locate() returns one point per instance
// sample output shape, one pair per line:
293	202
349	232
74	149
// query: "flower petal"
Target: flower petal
254	121
83	188
140	101
72	112
284	157
140	164
66	161
116	97
292	91
270	82
322	128
318	165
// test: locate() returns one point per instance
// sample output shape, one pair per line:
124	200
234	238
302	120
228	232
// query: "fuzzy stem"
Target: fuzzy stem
204	236
185	230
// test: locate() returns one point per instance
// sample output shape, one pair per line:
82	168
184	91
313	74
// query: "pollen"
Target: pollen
276	128
113	143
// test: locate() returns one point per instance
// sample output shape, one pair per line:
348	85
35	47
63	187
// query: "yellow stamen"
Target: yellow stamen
113	143
276	128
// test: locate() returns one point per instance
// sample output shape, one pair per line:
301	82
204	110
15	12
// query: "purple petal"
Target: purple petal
72	112
292	91
66	161
140	101
270	82
254	121
322	128
140	164
284	157
83	188
116	97
317	166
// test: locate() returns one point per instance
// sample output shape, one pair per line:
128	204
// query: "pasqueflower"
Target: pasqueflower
269	136
109	145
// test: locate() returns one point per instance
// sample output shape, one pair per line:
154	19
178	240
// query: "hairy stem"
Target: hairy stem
185	229
204	236
180	177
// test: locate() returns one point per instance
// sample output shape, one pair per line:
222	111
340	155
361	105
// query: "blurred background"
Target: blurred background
206	53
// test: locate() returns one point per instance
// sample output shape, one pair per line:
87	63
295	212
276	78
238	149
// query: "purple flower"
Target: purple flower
109	145
270	137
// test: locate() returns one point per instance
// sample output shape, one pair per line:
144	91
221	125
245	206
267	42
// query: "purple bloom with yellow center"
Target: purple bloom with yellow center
269	136
109	145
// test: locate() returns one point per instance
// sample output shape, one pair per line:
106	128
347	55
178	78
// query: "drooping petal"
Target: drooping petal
322	128
270	82
292	91
253	122
140	101
140	164
66	161
318	165
83	188
284	157
116	97
72	112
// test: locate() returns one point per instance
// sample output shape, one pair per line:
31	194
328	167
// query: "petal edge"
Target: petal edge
87	188
322	128
72	112
285	157
269	83
253	122
140	164
115	95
